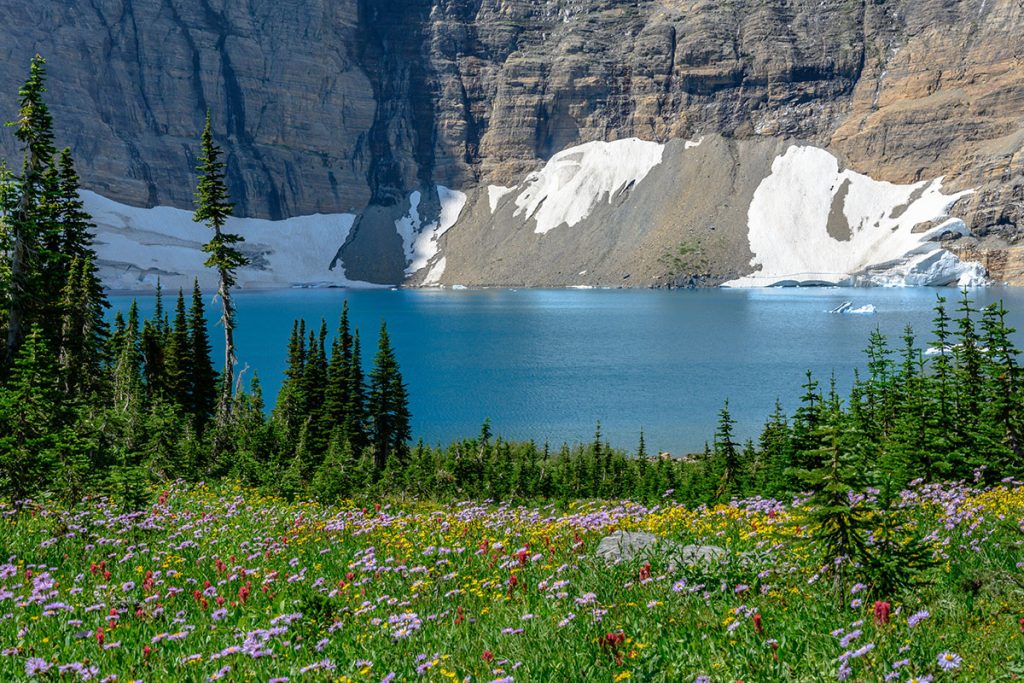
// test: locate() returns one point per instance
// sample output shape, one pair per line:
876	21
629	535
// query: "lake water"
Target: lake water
550	364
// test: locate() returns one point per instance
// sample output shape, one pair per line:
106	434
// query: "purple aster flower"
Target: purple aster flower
36	666
950	660
915	619
849	638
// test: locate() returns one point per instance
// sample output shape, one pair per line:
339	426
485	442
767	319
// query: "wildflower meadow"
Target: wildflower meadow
223	583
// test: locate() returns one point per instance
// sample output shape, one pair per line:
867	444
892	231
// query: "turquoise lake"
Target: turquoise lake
549	364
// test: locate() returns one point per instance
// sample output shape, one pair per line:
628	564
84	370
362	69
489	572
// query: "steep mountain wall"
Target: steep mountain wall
351	106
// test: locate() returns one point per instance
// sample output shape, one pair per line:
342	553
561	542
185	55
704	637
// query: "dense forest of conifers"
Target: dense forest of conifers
92	406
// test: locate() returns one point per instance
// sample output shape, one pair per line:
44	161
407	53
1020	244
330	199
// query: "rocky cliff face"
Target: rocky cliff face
350	106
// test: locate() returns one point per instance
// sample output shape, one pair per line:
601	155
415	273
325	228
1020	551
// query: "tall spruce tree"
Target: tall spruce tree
33	418
388	405
338	394
178	356
776	446
202	378
314	386
288	411
213	208
356	418
727	455
838	528
84	332
1002	385
29	222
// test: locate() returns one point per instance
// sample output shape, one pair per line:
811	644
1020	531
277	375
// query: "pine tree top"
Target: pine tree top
35	124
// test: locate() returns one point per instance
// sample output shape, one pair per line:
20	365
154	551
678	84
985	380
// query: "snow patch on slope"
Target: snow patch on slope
789	216
135	246
495	193
573	181
433	276
420	240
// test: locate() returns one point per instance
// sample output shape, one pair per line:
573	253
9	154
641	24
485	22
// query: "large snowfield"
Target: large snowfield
887	237
573	181
135	246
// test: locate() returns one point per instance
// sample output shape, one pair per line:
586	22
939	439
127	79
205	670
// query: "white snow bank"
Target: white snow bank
495	193
420	240
436	271
135	246
788	228
573	181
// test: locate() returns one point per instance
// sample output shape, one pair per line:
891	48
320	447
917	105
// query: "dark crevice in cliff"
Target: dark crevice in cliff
126	41
395	59
234	121
197	71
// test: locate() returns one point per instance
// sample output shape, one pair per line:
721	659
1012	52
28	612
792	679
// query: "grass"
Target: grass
223	583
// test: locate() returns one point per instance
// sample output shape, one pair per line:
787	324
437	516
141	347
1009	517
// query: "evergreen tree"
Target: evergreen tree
727	455
28	218
805	425
776	447
128	359
907	455
388	405
332	480
942	438
837	526
84	332
75	222
1001	407
288	411
202	378
159	321
314	386
32	422
338	393
356	418
154	361
213	208
178	356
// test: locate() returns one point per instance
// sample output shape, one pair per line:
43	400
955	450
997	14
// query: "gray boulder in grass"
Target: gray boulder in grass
626	546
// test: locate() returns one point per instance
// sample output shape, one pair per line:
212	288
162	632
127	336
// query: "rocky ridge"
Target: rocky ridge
351	106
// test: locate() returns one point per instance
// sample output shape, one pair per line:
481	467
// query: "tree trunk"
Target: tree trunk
228	320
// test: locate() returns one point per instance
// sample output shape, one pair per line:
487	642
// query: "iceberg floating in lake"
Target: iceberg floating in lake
847	308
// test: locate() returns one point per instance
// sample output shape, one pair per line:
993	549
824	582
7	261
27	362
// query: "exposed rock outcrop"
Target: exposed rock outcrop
629	546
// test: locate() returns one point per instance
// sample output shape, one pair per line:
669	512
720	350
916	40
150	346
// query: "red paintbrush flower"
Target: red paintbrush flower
882	613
